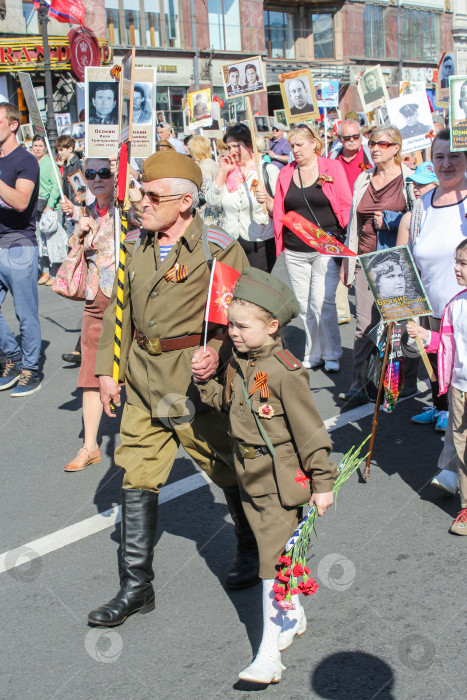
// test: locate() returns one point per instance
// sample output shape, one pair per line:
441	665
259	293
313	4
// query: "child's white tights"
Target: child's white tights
273	618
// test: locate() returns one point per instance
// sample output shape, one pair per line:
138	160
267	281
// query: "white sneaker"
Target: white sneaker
446	480
263	670
331	366
312	364
287	636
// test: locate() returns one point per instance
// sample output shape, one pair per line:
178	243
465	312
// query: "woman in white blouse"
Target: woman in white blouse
247	207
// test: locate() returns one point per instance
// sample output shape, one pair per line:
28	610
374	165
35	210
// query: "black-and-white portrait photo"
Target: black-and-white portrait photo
446	69
458	112
262	125
103	103
77	130
142	103
244	77
395	284
299	95
412	116
372	89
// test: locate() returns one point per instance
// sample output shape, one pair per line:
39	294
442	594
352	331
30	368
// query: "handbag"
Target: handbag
70	280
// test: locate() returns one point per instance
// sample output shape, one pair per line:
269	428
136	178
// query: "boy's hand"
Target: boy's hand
322	501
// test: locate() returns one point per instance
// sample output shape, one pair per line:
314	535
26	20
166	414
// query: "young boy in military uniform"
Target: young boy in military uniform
280	444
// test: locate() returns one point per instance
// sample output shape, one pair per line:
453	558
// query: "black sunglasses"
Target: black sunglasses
351	137
104	174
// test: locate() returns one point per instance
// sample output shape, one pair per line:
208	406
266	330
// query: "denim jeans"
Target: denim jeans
18	275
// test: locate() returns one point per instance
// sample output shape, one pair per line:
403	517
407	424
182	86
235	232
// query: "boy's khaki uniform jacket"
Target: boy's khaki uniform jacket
161	309
295	428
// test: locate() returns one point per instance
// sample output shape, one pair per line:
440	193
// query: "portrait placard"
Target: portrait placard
394	282
27	132
199	109
78	184
299	95
280	117
371	88
263	125
102	104
215	130
144	113
78	131
407	87
31	101
412	115
327	93
244	77
446	69
458	112
126	97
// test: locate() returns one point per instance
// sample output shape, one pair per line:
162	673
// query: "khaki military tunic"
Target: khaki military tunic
163	408
272	489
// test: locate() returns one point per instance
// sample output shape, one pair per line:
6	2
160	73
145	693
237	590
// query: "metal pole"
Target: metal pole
399	45
195	44
43	13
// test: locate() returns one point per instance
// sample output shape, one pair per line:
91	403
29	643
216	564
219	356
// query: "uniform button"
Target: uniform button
151	324
241	403
153	295
252	364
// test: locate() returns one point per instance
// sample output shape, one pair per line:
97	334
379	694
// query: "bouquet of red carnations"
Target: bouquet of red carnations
293	562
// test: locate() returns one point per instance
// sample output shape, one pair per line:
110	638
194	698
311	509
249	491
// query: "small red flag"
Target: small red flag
221	286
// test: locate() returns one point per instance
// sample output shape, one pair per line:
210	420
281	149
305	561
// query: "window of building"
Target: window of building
280	36
152	16
132	15
420	35
31	18
373	31
323	35
224	25
172	23
113	21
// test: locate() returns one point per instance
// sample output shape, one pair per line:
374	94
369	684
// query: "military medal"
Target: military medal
265	411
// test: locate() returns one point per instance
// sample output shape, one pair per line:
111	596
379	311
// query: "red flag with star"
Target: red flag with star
221	286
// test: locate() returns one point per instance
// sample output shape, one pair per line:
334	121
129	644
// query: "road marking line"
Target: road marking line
90	526
108	518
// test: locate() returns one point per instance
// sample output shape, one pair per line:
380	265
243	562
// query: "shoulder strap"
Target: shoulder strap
262	431
266	180
415	222
287	359
207	252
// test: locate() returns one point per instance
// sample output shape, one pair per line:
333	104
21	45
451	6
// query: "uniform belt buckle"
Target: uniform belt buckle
247	451
153	346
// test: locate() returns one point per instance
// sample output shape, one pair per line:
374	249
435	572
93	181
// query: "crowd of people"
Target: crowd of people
197	202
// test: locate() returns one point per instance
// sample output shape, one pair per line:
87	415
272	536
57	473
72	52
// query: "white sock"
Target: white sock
291	617
273	617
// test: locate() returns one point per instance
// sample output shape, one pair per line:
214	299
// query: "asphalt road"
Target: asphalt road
388	620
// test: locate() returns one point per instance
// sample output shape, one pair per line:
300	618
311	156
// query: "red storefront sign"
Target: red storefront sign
84	51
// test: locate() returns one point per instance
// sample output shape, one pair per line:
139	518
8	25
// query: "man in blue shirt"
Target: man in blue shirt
280	149
19	190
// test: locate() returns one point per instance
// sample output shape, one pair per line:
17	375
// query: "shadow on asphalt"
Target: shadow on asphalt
353	674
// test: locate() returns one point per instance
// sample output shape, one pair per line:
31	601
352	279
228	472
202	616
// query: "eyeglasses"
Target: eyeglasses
104	174
382	144
158	198
351	137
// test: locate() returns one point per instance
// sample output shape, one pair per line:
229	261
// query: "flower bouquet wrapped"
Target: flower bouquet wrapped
293	562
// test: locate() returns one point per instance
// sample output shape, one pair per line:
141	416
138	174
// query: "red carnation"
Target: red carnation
285	560
297	570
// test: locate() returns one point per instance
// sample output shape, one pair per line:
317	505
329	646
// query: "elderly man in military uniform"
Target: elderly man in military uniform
412	126
166	283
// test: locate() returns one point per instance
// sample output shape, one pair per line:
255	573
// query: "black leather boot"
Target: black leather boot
136	594
244	571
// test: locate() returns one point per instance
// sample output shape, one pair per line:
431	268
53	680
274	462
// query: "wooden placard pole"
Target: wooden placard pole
366	471
255	147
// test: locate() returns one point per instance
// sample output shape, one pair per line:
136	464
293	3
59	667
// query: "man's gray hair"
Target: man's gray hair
348	121
180	185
